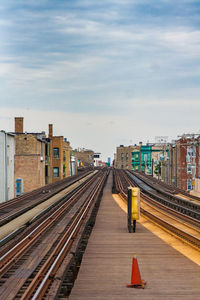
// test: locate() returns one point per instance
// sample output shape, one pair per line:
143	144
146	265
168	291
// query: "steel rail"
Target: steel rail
119	185
14	253
66	181
177	231
177	206
170	188
187	203
179	215
163	207
28	200
46	274
192	240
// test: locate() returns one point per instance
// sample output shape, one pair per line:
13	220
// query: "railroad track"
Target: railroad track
36	214
192	209
38	257
182	226
19	205
166	189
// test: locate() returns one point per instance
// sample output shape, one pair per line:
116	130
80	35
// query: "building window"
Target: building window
189	184
126	156
47	149
56	172
56	152
189	169
122	166
64	156
46	171
193	172
64	168
191	151
145	157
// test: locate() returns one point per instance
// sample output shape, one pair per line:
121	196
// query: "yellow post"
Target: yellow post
133	207
135	204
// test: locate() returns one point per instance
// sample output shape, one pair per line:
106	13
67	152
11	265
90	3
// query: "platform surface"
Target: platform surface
107	262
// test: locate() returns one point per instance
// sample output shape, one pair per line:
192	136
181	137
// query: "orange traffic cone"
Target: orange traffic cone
136	281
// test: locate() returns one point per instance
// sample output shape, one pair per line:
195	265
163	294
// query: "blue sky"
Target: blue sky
104	72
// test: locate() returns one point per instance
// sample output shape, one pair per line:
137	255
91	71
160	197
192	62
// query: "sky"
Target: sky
104	73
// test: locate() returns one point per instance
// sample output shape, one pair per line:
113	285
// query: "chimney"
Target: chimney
50	130
19	125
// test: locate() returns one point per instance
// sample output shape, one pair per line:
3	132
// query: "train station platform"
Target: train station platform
107	262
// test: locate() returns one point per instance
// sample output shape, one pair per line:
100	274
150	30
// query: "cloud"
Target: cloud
166	103
101	134
111	61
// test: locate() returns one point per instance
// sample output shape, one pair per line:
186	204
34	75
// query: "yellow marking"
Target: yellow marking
183	248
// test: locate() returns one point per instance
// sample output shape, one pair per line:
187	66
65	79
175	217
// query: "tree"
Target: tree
157	170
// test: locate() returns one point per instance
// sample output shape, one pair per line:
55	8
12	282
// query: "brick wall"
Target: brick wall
19	125
86	157
27	144
31	170
30	161
56	162
123	157
182	164
67	153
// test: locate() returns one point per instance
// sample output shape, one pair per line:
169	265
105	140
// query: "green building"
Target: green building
144	159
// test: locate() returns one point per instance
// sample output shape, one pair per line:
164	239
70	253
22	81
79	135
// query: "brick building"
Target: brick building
184	161
84	157
125	155
40	160
29	157
62	163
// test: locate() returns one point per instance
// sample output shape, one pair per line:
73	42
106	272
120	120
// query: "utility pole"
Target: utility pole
140	156
152	163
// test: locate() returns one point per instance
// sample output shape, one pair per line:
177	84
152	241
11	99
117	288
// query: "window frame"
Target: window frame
189	168
189	184
57	173
54	152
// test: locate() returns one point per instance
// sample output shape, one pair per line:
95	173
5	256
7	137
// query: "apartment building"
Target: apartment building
146	158
126	157
184	161
7	152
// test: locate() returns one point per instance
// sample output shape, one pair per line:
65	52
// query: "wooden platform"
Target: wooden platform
106	265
